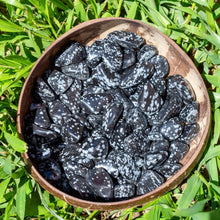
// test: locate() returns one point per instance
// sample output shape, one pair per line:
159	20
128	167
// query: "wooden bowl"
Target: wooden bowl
180	63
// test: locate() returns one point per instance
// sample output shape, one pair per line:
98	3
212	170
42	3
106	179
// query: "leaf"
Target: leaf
34	44
95	9
3	175
7	26
197	207
119	6
213	170
200	56
215	187
43	34
216	96
153	214
70	20
35	207
201	2
212	152
212	215
21	198
7	166
215	58
19	74
16	143
133	10
106	14
43	201
18	173
210	19
159	19
29	186
212	37
80	11
192	187
3	187
8	209
216	126
59	4
211	79
13	3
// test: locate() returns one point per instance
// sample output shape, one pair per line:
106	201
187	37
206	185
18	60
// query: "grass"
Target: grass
28	27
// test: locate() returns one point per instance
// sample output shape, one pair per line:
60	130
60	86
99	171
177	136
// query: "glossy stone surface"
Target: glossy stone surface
59	82
95	103
161	65
149	181
101	183
149	100
171	129
112	55
77	70
72	54
41	118
95	148
190	113
94	53
147	52
124	191
106	123
177	84
126	39
44	91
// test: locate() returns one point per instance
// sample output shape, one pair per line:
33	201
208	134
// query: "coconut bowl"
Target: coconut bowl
179	62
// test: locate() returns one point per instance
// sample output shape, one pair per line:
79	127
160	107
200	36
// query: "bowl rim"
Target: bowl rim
169	184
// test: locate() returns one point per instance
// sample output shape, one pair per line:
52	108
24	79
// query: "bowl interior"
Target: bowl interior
180	63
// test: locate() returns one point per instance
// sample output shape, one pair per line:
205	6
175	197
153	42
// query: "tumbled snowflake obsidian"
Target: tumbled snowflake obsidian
107	122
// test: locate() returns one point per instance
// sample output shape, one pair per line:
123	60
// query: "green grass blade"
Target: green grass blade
133	10
212	215
212	152
70	20
21	198
198	207
80	11
45	204
16	143
3	187
49	18
106	14
216	126
40	33
95	9
118	12
201	2
34	44
93	214
59	4
7	26
215	187
210	19
213	38
192	187
8	165
155	15
216	99
8	209
153	214
211	79
40	6
13	3
213	170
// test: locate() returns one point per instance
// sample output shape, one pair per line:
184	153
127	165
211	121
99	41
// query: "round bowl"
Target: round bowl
180	63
